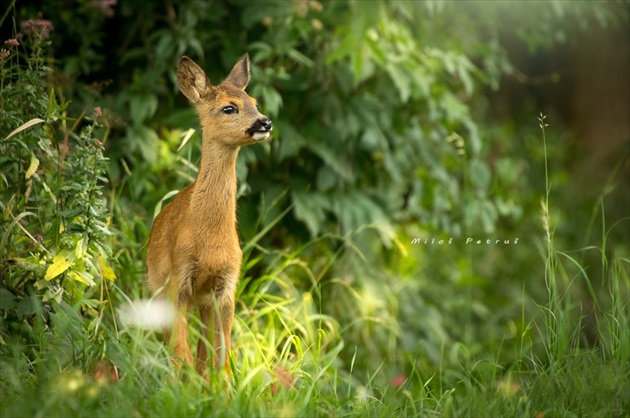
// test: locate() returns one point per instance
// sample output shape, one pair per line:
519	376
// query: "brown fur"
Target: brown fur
194	256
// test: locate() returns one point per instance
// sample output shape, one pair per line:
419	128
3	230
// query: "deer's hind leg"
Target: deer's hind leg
201	361
223	318
217	319
182	295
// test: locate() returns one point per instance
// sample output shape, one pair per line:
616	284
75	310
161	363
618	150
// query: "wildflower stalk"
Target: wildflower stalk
553	311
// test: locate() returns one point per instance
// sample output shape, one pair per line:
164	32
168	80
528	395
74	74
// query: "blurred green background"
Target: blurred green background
397	125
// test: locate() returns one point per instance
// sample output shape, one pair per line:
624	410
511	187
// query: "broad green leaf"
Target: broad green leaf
456	111
326	178
480	174
335	159
463	72
300	58
272	100
7	299
376	49
401	80
165	47
345	48
146	140
142	107
423	79
27	306
292	141
358	64
488	216
355	210
310	208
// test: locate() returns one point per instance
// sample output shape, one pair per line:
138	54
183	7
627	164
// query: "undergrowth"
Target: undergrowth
318	330
287	361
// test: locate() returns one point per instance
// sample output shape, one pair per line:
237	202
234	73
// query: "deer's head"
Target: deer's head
227	113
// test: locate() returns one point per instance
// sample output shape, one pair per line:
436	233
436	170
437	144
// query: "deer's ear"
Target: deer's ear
191	79
239	76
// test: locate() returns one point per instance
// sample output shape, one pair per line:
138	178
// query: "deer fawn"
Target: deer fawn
194	256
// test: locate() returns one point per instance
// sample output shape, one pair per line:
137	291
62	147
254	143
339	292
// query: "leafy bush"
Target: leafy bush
55	223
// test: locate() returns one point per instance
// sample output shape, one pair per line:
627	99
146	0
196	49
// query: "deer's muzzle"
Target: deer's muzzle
260	129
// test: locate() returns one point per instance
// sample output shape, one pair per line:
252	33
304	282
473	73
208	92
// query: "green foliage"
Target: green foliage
54	224
383	134
378	126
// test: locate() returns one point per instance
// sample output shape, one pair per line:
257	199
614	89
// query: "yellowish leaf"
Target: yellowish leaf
80	248
186	137
32	168
24	126
108	272
77	277
50	193
60	263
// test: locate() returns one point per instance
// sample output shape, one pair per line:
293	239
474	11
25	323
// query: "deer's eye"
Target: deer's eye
228	110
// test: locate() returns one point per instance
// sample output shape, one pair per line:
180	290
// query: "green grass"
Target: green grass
309	346
287	363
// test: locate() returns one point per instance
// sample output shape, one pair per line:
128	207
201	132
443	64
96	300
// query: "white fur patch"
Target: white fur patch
258	136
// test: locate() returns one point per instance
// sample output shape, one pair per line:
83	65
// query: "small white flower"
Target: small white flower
147	314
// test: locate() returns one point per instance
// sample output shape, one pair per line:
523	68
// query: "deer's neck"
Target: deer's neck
213	198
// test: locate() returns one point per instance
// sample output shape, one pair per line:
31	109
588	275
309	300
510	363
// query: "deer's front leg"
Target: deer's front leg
179	339
182	295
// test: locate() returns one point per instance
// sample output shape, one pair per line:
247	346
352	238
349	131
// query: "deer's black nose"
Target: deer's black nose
261	125
265	124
